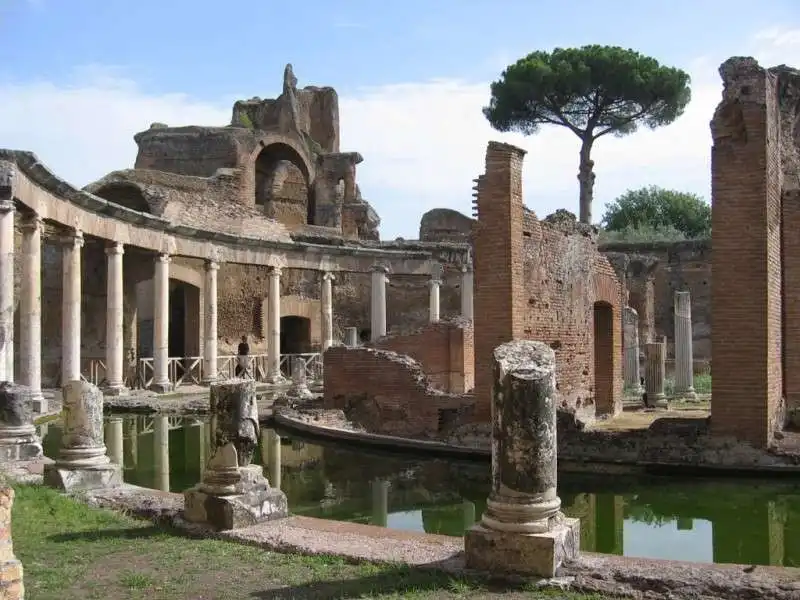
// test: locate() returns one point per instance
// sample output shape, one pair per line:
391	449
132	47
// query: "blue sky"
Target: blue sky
411	75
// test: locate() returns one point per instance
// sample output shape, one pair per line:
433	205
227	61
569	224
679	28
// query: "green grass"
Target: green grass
69	550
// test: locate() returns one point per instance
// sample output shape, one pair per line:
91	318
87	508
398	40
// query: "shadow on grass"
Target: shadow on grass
129	533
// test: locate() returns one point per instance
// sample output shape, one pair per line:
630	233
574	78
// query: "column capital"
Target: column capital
434	282
6	205
163	258
328	276
73	239
211	265
30	222
378	268
275	271
114	248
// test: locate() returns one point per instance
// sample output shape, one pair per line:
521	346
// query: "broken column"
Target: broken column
523	529
654	369
299	388
234	493
630	335
11	586
351	337
18	439
684	359
82	463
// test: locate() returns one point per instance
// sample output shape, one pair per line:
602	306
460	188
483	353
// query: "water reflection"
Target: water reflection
751	522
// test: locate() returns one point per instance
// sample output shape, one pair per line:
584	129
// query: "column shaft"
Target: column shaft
115	350
161	381
210	373
630	335
274	326
71	310
378	302
433	308
655	353
326	306
684	367
6	289
30	311
467	286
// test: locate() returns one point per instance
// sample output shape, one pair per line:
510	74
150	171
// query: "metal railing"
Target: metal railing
190	370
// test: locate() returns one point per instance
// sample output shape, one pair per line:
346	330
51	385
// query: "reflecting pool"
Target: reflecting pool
749	521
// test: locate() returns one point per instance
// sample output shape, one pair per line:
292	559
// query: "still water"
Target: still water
699	519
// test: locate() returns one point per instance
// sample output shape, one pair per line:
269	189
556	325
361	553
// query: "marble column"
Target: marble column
467	288
210	365
274	327
523	529
114	440
6	288
115	349
326	307
655	367
351	337
71	308
684	359
161	452
161	381
378	302
630	337
30	312
433	308
273	445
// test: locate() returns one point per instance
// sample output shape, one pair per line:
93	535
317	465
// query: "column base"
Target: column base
276	379
39	403
95	477
161	388
537	554
114	389
689	395
660	401
208	381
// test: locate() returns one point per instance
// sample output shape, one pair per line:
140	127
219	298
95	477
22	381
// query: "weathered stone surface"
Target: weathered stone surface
538	554
234	417
11	584
18	439
299	388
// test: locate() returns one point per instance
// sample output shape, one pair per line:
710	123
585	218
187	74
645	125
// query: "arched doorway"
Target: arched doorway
603	357
184	319
282	185
124	194
295	335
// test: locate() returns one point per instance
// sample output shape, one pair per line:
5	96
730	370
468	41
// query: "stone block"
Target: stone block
252	502
82	478
18	439
537	554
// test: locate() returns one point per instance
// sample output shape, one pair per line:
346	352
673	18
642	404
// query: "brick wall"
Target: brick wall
386	392
444	350
791	298
746	296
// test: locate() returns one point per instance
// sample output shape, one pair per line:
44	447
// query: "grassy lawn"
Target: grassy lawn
69	550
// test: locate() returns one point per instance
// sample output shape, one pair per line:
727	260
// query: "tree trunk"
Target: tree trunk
586	181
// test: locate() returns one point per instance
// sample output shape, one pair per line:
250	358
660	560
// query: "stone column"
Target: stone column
433	309
210	373
18	439
115	348
654	356
82	463
299	388
274	327
161	381
273	445
161	452
523	530
467	286
630	337
351	337
684	359
378	302
326	305
380	502
114	440
30	312
6	287
71	308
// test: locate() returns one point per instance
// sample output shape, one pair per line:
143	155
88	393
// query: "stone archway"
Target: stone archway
283	185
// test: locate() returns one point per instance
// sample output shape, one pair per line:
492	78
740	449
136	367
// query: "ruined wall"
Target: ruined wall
388	393
746	297
667	267
445	225
445	350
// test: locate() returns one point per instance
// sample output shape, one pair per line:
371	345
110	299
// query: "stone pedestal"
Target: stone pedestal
82	463
655	368
11	586
18	439
299	388
523	530
351	337
684	359
232	497
630	338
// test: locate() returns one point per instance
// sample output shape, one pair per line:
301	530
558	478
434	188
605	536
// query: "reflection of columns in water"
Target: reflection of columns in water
756	540
161	452
271	456
610	517
380	502
113	439
685	523
469	514
194	442
132	436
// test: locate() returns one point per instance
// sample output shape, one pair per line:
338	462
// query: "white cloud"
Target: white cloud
423	143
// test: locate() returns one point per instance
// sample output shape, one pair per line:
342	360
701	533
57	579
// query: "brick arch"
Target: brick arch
271	139
607	336
297	306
